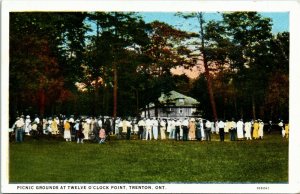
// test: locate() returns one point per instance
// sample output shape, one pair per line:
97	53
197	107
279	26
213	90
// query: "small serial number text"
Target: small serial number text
262	188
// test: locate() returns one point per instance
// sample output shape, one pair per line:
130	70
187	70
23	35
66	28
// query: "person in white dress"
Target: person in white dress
85	130
261	129
202	129
248	130
171	128
27	125
240	129
162	129
67	131
155	128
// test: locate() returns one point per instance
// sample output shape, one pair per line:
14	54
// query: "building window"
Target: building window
180	111
193	110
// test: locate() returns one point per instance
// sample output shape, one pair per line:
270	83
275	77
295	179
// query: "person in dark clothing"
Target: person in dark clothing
107	128
198	130
96	129
270	127
221	125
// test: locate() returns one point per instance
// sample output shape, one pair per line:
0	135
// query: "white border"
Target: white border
291	6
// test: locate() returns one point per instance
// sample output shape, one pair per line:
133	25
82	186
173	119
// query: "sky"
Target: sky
280	20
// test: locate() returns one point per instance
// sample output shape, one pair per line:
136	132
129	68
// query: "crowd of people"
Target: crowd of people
100	129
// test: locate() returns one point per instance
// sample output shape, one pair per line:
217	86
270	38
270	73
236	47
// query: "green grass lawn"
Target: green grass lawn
135	161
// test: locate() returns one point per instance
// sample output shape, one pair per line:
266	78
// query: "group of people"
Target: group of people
99	129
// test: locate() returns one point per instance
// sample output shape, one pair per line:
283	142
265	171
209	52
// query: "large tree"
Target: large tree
44	51
117	35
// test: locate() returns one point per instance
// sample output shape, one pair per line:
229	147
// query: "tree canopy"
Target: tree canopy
114	63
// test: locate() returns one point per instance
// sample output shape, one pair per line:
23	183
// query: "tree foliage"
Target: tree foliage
113	63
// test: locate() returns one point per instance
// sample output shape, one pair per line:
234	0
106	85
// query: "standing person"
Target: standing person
171	127
95	130
221	125
73	130
232	129
100	122
135	126
44	125
141	126
37	119
168	127
192	129
213	130
261	129
79	133
85	129
255	129
57	125
177	129
163	129
248	130
19	129
217	127
107	128
208	130
270	127
129	128
39	125
148	129
34	130
286	130
198	130
185	129
120	127
227	126
67	131
155	128
202	130
27	125
124	128
49	126
54	127
240	129
280	124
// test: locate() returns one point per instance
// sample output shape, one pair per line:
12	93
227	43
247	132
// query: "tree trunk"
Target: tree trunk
207	74
42	102
253	107
137	103
148	110
96	98
115	90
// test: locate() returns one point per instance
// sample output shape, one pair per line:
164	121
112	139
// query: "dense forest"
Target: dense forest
115	64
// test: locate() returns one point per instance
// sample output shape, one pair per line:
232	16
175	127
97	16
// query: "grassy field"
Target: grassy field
135	161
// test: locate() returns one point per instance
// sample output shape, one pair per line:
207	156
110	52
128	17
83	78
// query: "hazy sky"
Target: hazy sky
280	20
